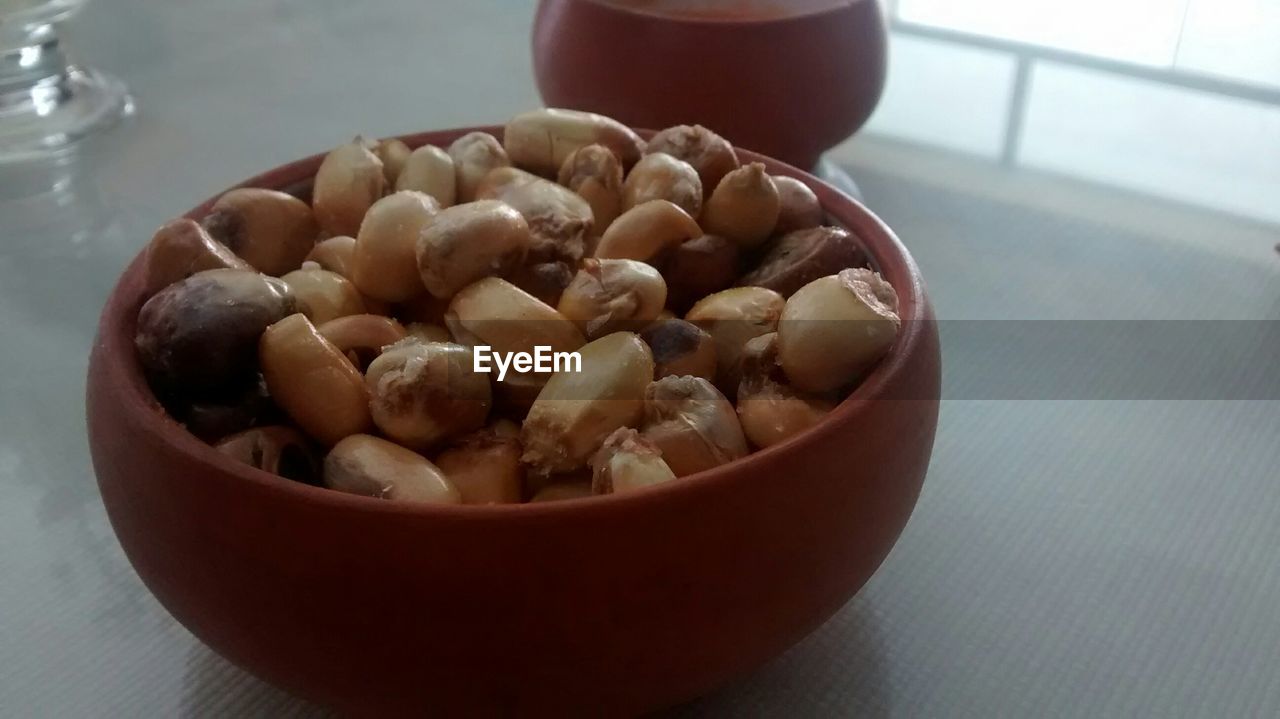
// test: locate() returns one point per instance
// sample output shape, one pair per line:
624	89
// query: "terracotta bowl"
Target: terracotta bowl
789	83
603	606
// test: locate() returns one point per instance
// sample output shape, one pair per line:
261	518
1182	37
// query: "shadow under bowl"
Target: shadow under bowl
600	606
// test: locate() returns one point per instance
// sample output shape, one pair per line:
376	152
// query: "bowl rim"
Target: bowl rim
744	20
119	362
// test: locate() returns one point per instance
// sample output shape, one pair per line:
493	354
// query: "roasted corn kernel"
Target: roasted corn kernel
495	312
659	176
384	263
836	328
323	295
334	254
474	155
680	348
485	467
270	230
540	140
710	154
743	207
431	170
646	232
544	280
464	243
426	393
626	462
562	490
372	467
393	153
731	318
576	410
769	409
312	382
595	173
361	338
692	424
798	206
559	219
610	295
199	336
428	332
349	181
697	268
800	257
181	248
277	449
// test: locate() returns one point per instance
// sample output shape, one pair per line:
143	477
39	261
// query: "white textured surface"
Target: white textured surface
1067	558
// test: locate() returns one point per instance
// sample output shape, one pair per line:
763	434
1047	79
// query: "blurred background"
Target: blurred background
1085	554
1178	98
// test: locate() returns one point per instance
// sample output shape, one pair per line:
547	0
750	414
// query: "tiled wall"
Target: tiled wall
1213	140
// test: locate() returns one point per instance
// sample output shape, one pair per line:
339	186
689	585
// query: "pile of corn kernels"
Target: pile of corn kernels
334	341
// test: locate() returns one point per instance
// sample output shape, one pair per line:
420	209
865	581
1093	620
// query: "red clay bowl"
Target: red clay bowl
604	606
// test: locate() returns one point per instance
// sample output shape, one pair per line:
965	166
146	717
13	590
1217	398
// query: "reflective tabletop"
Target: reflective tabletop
1079	549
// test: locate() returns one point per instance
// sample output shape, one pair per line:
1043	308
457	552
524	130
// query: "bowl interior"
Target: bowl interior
887	254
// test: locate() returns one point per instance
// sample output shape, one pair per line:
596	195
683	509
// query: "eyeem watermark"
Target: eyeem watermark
542	359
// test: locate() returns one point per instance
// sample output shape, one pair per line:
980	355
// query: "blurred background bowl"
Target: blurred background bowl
788	80
604	606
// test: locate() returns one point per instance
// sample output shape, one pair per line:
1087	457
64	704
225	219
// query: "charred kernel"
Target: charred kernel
544	280
200	335
627	462
692	424
384	264
372	467
710	154
646	231
227	413
798	206
425	394
270	230
834	329
474	155
680	348
743	207
576	411
540	140
697	268
610	295
431	170
181	248
464	243
659	176
800	257
349	181
312	382
423	308
279	450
